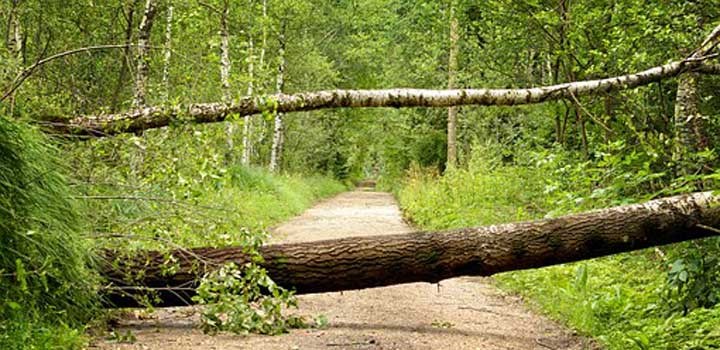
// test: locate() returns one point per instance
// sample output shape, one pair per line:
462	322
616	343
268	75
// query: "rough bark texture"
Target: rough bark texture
452	72
143	67
156	117
276	151
365	262
688	122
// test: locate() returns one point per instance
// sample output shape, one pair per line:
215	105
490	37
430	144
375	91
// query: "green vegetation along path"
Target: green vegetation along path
462	313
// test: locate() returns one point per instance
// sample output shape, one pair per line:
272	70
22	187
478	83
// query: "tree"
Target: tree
277	144
364	262
167	53
148	118
452	72
143	48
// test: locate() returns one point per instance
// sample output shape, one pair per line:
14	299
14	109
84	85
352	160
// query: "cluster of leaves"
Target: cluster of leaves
245	300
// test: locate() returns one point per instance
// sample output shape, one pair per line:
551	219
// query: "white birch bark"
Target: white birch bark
156	117
143	49
277	145
452	72
167	54
225	54
247	127
261	59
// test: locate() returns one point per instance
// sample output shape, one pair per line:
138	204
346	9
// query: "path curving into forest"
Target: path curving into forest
460	313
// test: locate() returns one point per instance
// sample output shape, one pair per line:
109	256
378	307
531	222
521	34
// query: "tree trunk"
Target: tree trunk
143	67
125	65
276	151
247	127
167	54
225	54
15	44
365	262
688	121
261	60
452	72
156	117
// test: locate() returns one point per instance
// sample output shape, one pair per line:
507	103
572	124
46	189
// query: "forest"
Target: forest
554	159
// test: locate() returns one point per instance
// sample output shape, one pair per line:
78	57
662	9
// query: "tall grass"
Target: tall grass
46	285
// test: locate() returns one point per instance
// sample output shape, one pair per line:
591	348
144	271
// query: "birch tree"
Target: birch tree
247	125
167	53
277	145
452	76
143	49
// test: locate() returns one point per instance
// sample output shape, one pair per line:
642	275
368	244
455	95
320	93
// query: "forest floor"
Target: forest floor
460	313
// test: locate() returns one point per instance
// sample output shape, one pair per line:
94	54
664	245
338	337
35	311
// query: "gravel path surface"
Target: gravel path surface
461	313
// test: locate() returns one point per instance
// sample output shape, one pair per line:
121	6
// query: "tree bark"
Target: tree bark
157	117
248	124
15	43
125	65
276	151
143	66
452	72
688	122
167	54
365	262
225	53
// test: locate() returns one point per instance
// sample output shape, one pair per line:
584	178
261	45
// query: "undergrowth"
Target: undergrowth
46	283
664	298
146	193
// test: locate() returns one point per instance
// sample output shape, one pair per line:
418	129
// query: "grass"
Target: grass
46	280
621	300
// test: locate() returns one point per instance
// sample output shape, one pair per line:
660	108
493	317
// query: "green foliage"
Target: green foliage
477	195
643	300
145	192
245	300
47	285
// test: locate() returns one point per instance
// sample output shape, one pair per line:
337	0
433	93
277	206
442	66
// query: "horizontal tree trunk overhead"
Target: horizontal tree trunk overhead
156	117
365	262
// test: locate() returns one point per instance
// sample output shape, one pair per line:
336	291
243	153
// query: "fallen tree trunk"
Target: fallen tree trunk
142	119
365	262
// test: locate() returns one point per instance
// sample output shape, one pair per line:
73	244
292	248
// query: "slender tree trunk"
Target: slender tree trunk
689	126
247	127
261	61
125	64
365	262
688	121
225	54
452	72
168	53
143	66
15	44
276	151
16	41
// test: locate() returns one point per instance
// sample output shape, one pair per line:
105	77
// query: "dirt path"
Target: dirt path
461	313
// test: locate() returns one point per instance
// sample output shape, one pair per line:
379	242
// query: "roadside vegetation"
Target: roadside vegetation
54	220
661	298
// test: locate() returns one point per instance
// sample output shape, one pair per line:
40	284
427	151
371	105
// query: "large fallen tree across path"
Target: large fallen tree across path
365	262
